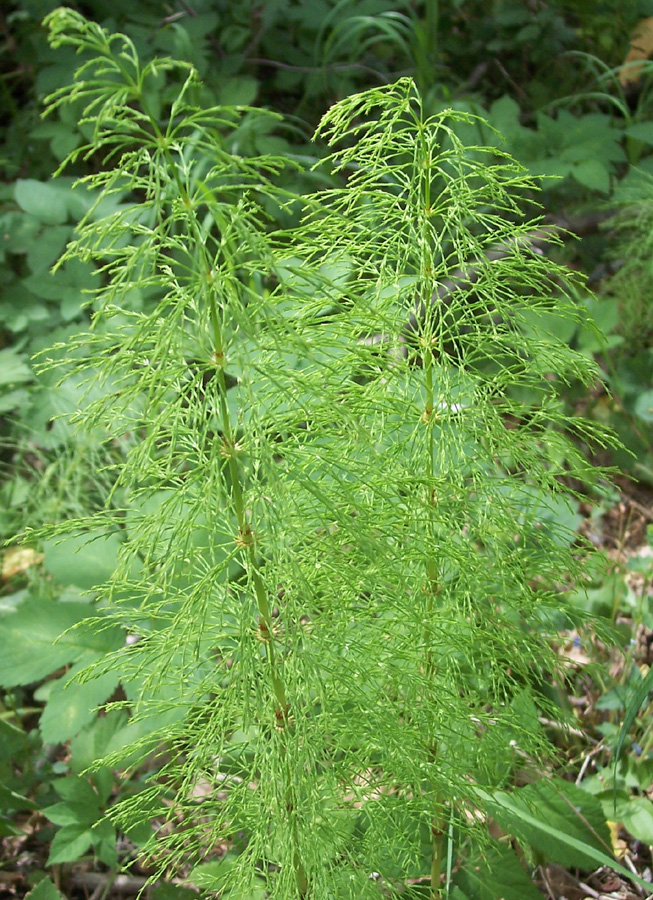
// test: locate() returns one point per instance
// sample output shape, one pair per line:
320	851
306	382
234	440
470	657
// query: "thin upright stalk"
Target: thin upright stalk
432	591
245	537
432	587
283	719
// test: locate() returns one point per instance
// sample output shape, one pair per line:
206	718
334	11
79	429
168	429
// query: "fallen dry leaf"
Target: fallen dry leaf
641	48
18	560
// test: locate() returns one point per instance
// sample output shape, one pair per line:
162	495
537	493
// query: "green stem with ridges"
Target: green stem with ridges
282	717
432	580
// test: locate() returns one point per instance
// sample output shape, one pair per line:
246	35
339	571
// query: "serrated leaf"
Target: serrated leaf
505	115
44	252
18	231
214	876
70	813
240	90
38	637
69	843
76	789
84	560
64	142
66	284
501	802
13	400
13	367
496	875
592	174
172	892
10	800
641	131
104	841
71	705
94	740
44	890
42	200
637	817
570	811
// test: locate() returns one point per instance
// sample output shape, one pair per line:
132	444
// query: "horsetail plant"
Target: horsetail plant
339	446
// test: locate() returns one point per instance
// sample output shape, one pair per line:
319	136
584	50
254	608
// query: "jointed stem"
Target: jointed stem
283	720
432	579
437	840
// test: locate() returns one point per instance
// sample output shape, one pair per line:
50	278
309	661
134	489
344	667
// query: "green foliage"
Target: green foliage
31	630
633	229
622	794
314	510
497	872
633	705
82	825
45	890
330	553
554	818
587	148
16	781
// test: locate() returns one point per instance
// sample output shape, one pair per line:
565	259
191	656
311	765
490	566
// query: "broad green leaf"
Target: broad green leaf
69	843
71	813
201	24
42	200
44	890
641	131
241	90
13	367
592	174
501	804
104	841
172	892
18	232
64	142
44	251
54	402
19	308
84	560
496	875
71	705
62	139
215	876
94	740
164	516
14	400
10	800
38	637
68	286
644	406
505	114
605	313
560	326
556	168
76	789
634	812
637	818
571	811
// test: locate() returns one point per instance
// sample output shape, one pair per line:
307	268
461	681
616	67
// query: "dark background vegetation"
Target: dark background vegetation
567	85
